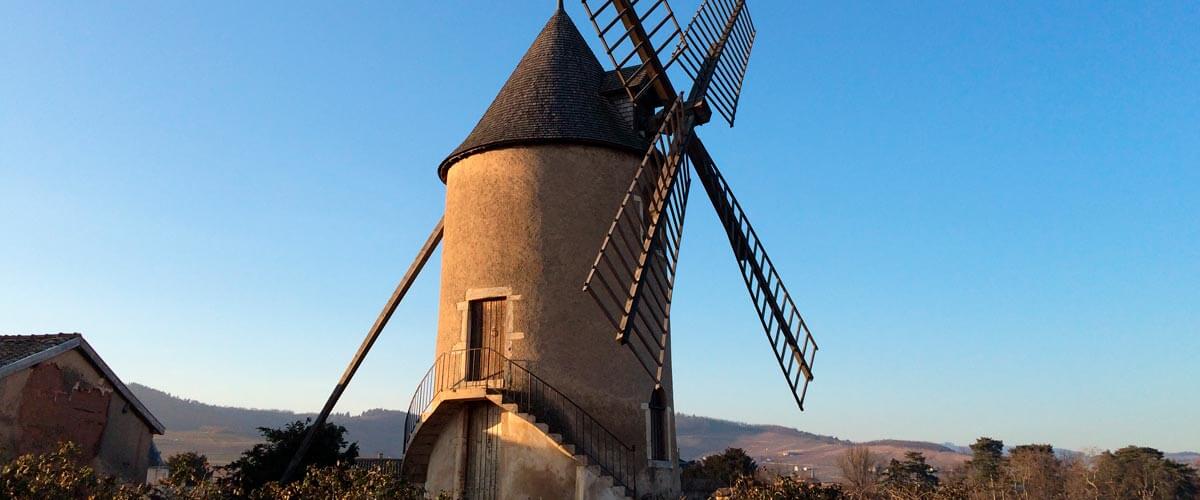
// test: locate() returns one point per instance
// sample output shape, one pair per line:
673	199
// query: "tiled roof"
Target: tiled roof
554	95
14	348
612	83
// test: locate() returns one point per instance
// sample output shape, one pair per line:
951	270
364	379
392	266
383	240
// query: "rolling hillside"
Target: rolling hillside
783	448
223	432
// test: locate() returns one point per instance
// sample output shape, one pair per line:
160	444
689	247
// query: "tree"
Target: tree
704	476
909	479
1144	473
266	462
1035	472
986	469
1079	478
952	485
729	466
860	472
189	476
188	469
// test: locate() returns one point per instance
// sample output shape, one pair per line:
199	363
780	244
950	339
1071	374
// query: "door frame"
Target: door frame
509	335
478	362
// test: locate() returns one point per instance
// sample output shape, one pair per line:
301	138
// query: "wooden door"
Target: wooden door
482	452
485	339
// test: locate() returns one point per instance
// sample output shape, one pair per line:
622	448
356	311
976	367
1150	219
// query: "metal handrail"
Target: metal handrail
487	369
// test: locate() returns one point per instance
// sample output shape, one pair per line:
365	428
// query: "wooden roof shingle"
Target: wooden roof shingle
554	95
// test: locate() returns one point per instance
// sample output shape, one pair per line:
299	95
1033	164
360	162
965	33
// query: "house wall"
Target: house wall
66	398
525	223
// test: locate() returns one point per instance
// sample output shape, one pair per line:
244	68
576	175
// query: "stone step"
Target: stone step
605	480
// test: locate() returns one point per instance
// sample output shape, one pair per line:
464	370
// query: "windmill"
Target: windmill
528	393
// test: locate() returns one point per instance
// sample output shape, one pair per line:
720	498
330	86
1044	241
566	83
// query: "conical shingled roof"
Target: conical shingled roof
552	96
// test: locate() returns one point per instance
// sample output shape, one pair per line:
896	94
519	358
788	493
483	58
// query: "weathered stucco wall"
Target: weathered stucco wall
531	465
125	445
66	398
444	463
10	402
526	222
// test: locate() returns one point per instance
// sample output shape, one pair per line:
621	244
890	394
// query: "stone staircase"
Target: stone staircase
444	406
420	447
606	466
584	464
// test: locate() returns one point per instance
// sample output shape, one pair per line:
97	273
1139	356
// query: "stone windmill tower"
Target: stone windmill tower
521	226
528	395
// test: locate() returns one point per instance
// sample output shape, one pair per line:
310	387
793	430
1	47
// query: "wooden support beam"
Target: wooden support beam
386	314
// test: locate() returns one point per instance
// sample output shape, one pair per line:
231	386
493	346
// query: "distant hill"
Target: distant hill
177	413
1185	457
784	448
223	432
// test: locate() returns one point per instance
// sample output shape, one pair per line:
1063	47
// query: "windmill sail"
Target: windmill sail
634	272
715	52
786	330
625	34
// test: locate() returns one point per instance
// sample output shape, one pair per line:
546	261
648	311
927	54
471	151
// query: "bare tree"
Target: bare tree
1035	472
1079	478
860	472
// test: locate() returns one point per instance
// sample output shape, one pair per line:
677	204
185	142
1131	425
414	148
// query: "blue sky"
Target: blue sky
987	212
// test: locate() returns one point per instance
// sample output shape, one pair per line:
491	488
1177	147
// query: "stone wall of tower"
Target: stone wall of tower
524	223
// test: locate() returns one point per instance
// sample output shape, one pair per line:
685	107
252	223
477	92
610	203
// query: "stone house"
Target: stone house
56	388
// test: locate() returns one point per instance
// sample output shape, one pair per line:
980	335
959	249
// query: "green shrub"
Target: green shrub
266	462
783	488
342	483
60	475
188	469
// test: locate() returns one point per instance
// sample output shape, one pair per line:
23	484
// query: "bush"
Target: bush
60	475
266	462
783	488
911	478
343	483
188	469
702	477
